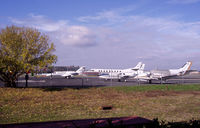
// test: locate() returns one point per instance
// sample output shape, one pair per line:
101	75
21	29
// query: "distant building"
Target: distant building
58	68
65	68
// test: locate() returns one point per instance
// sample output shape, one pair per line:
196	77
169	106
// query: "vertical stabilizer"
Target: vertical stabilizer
142	67
81	69
186	67
138	66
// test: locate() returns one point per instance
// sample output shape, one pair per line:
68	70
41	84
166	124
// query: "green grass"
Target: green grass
164	87
178	103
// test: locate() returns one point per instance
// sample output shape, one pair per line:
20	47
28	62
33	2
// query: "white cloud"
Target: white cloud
149	38
76	35
183	1
60	30
108	15
40	22
122	39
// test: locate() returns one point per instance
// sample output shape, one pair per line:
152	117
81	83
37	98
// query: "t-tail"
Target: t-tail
142	67
185	67
81	69
138	66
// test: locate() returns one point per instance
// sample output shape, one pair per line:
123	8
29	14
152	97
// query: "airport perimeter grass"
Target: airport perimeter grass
167	102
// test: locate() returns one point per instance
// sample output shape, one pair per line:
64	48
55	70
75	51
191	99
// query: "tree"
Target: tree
22	49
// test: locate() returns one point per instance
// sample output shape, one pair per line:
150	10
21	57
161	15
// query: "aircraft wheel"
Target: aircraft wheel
150	81
68	77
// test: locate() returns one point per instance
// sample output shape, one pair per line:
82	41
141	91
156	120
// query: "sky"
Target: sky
163	34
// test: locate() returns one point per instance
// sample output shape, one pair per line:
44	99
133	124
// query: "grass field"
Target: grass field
165	102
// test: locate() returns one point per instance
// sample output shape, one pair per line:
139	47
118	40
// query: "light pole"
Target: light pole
182	78
111	77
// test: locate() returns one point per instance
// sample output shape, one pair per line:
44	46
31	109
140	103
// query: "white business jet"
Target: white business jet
70	74
164	74
119	74
67	74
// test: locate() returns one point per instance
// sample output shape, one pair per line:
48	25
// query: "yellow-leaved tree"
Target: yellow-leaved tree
22	49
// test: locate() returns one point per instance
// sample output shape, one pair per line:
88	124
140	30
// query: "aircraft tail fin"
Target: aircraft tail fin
81	69
186	67
142	67
138	66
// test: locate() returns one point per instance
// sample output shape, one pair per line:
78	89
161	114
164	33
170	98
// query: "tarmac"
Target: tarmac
94	81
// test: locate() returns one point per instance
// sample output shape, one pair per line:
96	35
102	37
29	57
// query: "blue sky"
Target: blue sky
113	33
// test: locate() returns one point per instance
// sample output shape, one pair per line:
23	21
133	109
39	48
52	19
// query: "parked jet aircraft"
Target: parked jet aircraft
120	74
70	74
66	74
106	71
163	74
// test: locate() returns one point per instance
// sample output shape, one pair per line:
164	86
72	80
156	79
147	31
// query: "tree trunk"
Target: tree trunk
14	84
10	82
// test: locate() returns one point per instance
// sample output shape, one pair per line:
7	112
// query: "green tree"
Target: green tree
22	49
